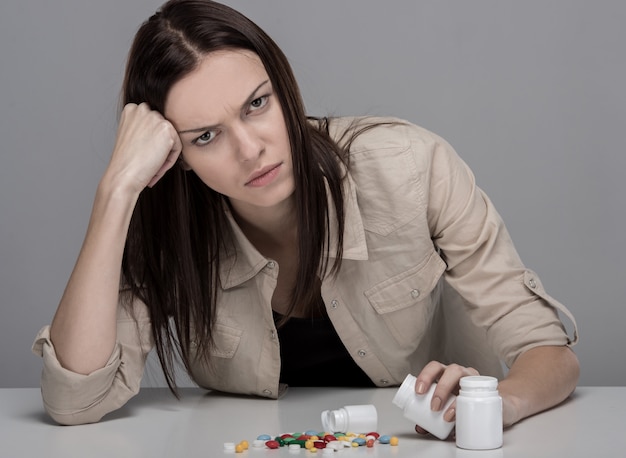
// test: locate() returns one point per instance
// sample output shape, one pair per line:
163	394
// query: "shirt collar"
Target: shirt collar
243	261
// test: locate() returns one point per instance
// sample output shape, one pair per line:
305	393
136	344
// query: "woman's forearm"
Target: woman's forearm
539	379
84	327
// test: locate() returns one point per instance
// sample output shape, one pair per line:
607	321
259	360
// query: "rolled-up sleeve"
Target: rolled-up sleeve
502	296
71	398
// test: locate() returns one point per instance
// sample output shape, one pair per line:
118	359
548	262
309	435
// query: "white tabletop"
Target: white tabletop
154	424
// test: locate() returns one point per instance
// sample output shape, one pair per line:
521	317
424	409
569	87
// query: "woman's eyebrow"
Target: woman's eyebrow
252	96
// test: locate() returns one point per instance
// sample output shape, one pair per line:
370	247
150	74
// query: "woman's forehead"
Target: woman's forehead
218	86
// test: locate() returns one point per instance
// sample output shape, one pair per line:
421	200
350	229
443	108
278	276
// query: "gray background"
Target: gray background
531	94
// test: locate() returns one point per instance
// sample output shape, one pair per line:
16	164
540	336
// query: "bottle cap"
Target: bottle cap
479	382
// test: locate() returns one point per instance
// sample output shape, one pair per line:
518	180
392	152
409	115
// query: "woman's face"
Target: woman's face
233	131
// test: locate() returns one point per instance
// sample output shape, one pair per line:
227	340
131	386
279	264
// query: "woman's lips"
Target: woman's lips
264	176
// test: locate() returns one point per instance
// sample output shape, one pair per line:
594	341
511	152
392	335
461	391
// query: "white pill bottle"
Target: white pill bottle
356	418
479	414
416	407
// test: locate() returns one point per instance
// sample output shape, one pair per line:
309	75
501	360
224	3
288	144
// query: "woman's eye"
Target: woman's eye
258	103
205	138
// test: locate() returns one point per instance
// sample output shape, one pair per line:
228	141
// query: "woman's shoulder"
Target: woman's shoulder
374	133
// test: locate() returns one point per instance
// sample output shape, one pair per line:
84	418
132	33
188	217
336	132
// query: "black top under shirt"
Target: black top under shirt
312	354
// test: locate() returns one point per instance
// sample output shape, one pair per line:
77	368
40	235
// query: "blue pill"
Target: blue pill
384	439
264	437
359	440
311	432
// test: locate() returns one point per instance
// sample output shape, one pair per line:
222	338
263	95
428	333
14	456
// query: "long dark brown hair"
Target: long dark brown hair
179	228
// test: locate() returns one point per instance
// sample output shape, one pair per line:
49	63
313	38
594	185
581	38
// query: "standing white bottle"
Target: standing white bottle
478	414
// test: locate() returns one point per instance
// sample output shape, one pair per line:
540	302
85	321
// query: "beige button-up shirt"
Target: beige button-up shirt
429	272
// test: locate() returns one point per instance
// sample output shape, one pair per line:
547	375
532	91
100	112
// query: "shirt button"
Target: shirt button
271	264
532	283
334	303
362	353
384	382
267	392
415	293
273	333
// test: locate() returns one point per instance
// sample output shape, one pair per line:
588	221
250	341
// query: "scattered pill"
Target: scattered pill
310	432
393	441
373	433
369	443
358	441
258	443
384	439
272	444
264	437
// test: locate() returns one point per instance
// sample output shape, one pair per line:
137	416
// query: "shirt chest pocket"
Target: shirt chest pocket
405	301
225	341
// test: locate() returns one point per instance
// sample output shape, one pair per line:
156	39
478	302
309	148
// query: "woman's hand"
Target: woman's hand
147	146
447	378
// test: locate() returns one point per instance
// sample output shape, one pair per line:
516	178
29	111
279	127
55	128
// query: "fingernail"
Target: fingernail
421	388
435	404
449	415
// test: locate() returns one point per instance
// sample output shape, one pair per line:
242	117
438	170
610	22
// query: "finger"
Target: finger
448	384
172	157
168	164
421	431
429	375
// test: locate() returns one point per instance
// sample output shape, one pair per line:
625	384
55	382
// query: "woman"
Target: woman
234	231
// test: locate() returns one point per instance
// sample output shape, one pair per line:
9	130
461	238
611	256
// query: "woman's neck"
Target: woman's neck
268	227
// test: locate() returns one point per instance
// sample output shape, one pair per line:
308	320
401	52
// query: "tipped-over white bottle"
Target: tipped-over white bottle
416	407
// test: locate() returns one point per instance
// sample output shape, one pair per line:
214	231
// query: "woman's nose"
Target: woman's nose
248	145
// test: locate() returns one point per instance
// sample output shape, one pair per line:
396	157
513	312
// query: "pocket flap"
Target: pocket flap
408	287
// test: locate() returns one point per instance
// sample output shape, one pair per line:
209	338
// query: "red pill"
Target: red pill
303	437
272	444
319	444
285	436
370	443
376	435
329	437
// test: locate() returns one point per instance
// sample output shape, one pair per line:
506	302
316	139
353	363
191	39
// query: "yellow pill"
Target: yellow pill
239	448
245	444
393	441
309	445
355	444
362	436
314	438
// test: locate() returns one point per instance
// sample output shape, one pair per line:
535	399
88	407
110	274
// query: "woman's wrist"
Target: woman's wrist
512	408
